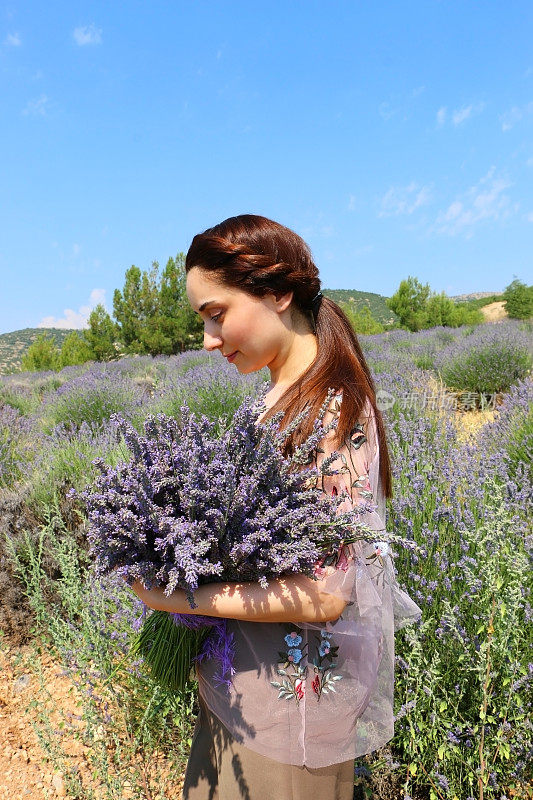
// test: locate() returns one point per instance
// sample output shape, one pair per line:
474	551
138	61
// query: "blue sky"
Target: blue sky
395	137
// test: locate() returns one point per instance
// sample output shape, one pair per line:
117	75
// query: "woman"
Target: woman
290	731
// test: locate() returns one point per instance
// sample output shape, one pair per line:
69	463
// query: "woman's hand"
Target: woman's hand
156	598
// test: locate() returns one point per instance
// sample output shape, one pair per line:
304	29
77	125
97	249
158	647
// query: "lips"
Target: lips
231	356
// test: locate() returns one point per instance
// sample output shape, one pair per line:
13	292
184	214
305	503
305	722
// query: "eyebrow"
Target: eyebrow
207	303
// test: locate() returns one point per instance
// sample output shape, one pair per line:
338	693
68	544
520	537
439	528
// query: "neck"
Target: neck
292	361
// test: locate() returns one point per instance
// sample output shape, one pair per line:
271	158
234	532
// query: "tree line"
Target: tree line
417	307
152	316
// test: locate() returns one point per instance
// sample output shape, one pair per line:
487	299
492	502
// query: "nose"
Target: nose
211	342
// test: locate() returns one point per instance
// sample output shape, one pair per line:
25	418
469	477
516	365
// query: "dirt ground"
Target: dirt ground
25	770
494	311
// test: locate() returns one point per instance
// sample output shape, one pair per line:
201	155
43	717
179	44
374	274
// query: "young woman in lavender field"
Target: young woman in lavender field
314	659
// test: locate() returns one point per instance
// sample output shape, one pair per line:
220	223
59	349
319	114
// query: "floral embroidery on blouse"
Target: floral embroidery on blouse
290	668
324	663
294	672
356	438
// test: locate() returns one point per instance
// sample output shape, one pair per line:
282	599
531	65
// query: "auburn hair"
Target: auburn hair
260	256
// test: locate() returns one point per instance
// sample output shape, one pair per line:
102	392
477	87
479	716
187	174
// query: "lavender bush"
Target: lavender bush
19	445
490	360
462	726
91	398
513	429
463	683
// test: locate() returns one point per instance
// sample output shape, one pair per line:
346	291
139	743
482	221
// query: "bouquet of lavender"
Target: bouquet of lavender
193	507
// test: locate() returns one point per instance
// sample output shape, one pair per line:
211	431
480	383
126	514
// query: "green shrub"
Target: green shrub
489	362
42	354
519	300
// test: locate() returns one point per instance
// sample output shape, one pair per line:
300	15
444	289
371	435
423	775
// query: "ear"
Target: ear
282	301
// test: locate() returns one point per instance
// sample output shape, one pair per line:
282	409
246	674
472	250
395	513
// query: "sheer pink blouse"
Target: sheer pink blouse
322	693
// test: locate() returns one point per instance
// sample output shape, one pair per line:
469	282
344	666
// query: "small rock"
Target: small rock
59	785
22	682
99	733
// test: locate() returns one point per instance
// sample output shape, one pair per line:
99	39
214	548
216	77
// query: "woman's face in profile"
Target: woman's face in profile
252	332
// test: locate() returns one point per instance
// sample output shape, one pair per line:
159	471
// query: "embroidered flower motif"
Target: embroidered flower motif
324	648
324	665
293	670
292	685
293	640
294	655
382	548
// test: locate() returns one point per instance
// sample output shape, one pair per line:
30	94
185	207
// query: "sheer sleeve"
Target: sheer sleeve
363	568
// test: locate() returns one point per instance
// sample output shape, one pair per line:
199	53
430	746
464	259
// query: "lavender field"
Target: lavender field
464	673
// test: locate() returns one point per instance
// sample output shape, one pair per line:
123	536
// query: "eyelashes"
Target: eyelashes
216	317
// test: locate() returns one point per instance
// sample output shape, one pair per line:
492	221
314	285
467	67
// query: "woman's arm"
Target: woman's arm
296	598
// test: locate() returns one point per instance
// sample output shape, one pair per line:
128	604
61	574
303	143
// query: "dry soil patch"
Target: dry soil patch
494	311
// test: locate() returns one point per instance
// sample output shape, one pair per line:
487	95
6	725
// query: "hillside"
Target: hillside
375	302
467	298
13	345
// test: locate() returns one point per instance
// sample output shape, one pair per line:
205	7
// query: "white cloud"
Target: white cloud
37	107
13	40
484	201
460	115
404	199
529	216
514	115
76	249
75	319
87	34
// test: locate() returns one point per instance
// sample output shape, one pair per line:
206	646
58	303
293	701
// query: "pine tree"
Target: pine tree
101	335
409	303
42	354
74	350
127	310
178	321
361	319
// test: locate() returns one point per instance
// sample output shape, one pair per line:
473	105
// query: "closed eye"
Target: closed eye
217	316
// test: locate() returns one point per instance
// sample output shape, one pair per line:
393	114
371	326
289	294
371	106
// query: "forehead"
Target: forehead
202	288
